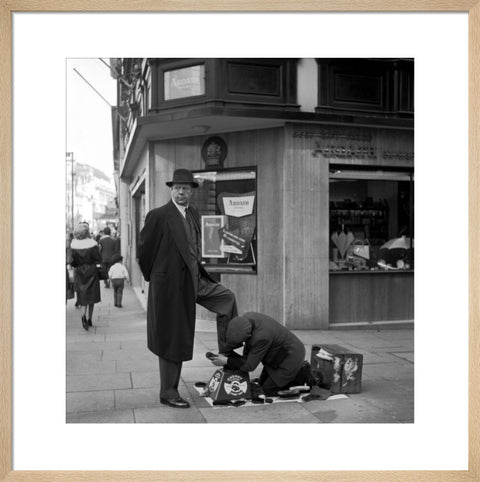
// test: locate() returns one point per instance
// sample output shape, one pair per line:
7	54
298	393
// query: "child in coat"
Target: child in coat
117	274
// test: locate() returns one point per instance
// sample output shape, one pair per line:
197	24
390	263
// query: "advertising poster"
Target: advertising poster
212	243
238	233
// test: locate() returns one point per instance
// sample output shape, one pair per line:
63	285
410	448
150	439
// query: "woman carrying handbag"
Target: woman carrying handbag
85	257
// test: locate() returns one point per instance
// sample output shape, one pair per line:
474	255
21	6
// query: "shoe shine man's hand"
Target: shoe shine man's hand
219	360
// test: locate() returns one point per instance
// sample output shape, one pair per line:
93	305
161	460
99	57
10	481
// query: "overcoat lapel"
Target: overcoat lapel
178	232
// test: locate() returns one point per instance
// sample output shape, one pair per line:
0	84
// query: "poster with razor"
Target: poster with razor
239	211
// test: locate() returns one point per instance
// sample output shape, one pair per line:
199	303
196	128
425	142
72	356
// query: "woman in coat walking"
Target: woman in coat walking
85	257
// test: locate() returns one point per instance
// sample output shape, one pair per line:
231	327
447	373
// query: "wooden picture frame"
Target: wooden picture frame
8	7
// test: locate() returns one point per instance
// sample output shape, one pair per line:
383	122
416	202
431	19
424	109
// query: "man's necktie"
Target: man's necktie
188	217
193	231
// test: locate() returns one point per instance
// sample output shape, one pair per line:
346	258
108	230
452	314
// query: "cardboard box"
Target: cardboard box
337	369
228	385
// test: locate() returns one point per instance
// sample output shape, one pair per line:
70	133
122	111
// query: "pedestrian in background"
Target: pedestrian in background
108	248
118	274
70	286
85	255
169	255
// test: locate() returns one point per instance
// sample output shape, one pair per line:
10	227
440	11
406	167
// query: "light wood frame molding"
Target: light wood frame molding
9	7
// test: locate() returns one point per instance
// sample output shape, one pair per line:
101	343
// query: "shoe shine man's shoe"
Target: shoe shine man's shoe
175	402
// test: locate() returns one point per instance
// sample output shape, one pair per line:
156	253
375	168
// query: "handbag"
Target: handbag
102	272
360	248
71	274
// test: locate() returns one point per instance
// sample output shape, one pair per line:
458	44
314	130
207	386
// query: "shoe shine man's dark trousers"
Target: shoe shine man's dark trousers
118	285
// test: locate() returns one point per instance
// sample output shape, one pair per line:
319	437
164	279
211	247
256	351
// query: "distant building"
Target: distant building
94	197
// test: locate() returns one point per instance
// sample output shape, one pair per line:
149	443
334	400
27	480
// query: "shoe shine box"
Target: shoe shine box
228	385
337	369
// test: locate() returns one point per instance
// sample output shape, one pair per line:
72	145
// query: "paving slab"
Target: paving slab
85	383
79	356
405	355
165	414
104	416
90	401
125	336
371	358
137	365
145	379
127	354
290	412
137	398
86	336
140	345
83	365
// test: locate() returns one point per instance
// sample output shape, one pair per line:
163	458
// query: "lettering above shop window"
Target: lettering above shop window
333	144
345	152
359	152
329	134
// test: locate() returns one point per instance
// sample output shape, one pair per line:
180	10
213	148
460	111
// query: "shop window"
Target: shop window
227	202
371	219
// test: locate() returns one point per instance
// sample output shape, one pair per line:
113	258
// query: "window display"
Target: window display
226	200
371	219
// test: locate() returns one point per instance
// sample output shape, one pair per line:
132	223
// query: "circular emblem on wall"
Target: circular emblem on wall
214	151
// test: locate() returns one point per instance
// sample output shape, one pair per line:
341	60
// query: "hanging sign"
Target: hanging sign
238	206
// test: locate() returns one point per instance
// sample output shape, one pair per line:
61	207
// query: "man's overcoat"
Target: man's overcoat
164	257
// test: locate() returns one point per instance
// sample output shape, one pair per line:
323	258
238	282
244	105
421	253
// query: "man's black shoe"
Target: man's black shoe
175	402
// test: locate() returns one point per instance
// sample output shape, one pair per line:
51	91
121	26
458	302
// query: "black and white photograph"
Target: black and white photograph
265	224
240	240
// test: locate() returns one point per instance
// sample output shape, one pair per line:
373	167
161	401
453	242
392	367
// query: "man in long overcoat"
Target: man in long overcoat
109	247
169	257
268	342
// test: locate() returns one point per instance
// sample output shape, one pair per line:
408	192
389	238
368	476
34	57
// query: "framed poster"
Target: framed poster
227	201
212	242
42	363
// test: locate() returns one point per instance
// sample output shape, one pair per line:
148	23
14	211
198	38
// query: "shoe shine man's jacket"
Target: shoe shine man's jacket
165	260
268	342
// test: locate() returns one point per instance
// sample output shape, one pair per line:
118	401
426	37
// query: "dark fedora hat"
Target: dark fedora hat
182	176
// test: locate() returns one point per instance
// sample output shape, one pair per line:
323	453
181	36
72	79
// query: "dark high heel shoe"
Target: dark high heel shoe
90	322
84	322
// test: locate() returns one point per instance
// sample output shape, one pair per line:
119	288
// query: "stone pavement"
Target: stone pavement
113	378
